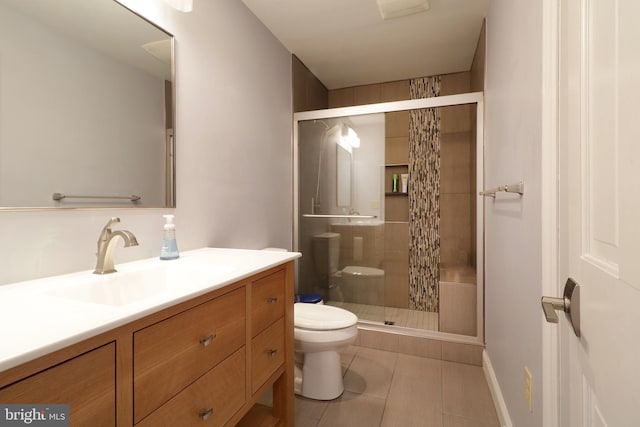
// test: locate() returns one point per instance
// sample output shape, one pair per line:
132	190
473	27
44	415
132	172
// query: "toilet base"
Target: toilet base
321	376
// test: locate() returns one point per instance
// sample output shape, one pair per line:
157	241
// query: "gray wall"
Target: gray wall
513	109
233	133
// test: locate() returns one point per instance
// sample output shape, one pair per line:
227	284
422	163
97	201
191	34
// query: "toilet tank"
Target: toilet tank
326	252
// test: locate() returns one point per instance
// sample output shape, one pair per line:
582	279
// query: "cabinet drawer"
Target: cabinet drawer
171	354
267	354
86	383
210	401
267	300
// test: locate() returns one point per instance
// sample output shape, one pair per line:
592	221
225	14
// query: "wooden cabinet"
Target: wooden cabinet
173	353
210	401
267	353
201	362
87	383
267	301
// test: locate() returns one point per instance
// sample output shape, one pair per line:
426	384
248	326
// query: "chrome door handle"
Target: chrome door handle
569	303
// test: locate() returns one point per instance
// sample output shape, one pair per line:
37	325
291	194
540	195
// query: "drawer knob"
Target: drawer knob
272	300
272	352
205	413
205	341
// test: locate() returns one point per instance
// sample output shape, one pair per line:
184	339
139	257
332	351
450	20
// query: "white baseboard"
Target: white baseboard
496	393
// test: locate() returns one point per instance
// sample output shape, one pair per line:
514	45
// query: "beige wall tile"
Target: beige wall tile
455	229
378	340
454	83
465	392
455	163
367	94
395	91
396	208
396	285
396	236
397	124
308	92
418	346
470	354
458	308
342	97
477	66
396	150
455	119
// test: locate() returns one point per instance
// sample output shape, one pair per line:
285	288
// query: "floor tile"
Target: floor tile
310	408
415	396
465	393
457	421
371	372
346	357
353	410
302	421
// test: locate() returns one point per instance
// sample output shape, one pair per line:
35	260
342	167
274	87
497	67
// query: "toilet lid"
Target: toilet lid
322	317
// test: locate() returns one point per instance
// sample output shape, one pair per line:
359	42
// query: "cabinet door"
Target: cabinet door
267	301
173	353
87	383
208	402
267	354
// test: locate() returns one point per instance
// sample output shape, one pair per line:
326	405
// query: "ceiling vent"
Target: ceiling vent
390	9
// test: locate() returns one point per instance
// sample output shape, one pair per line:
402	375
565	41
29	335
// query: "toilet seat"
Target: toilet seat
315	317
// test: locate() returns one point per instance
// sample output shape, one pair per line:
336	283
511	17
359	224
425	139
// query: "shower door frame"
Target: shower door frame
413	104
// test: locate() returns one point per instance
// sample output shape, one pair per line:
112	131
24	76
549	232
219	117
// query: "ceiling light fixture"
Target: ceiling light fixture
350	137
390	9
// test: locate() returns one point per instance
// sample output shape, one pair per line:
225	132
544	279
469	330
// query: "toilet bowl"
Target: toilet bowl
320	333
362	285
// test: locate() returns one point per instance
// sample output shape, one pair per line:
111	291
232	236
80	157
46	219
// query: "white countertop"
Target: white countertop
44	315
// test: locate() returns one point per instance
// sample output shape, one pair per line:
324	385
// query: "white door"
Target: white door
599	207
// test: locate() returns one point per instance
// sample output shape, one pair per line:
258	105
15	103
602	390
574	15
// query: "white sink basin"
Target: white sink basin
133	285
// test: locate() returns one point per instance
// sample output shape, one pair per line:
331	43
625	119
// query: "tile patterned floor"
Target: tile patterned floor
400	316
398	390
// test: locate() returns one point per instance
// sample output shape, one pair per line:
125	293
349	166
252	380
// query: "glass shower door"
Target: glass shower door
341	221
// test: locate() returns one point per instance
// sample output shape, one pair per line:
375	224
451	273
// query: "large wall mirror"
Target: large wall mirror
86	106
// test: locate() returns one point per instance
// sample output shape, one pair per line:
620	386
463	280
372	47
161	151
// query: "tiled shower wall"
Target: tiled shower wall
457	181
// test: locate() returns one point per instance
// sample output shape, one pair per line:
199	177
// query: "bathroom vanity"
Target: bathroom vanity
200	348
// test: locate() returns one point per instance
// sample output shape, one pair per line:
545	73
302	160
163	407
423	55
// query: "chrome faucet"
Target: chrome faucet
107	245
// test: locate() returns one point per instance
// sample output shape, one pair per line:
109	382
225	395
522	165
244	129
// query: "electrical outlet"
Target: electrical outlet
373	204
528	388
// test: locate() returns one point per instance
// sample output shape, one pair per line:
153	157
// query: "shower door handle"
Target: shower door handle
569	303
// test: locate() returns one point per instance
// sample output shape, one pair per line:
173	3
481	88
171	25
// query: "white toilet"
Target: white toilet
320	333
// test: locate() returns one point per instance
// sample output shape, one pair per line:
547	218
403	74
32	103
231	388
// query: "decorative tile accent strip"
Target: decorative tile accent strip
424	198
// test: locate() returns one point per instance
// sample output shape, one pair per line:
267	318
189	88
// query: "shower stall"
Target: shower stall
388	213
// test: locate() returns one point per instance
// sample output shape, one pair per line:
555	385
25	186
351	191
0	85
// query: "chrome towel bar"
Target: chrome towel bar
511	188
339	216
60	196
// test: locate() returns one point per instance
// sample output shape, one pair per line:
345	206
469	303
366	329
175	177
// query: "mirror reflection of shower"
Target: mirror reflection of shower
345	138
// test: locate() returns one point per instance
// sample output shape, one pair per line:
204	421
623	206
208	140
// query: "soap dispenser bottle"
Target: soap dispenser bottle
169	246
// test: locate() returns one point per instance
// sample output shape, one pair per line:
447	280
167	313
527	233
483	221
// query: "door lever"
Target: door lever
569	303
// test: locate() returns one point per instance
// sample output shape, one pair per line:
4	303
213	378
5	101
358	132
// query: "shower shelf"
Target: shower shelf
397	193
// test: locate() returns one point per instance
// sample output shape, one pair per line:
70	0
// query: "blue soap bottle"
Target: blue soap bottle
169	246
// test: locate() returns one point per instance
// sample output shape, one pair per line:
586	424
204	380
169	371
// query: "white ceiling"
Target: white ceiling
347	43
